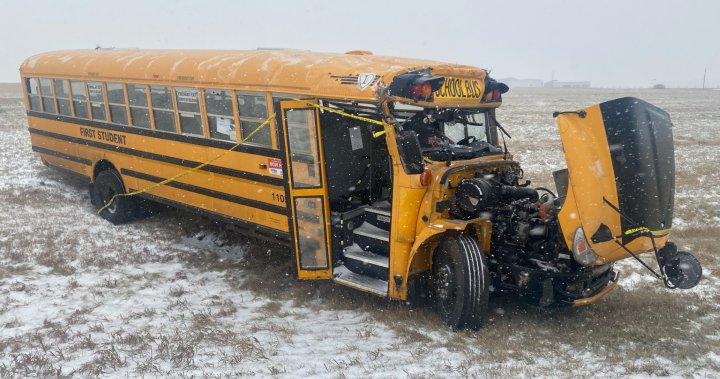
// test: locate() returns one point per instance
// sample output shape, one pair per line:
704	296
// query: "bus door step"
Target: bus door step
344	276
365	262
370	237
378	217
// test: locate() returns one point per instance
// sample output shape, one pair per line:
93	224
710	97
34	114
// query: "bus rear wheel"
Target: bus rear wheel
460	283
108	184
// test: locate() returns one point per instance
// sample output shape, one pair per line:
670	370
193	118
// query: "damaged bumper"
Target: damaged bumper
555	289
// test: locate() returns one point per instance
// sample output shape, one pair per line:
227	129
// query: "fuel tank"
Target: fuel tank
620	178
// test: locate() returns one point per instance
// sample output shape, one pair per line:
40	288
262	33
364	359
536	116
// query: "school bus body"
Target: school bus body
302	73
179	127
270	72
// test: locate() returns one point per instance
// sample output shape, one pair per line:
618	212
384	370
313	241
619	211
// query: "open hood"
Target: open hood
621	176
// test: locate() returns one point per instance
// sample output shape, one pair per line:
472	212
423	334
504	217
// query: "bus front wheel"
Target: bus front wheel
460	283
108	184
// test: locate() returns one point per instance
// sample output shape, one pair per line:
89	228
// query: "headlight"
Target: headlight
581	250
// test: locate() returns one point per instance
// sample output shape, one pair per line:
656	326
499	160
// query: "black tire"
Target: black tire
107	184
460	283
145	208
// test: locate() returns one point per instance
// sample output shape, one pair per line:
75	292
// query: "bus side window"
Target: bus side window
116	101
218	106
62	94
48	100
79	98
188	106
33	93
137	97
252	109
97	101
162	107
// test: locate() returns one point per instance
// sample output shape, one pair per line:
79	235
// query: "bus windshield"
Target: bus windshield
471	126
449	134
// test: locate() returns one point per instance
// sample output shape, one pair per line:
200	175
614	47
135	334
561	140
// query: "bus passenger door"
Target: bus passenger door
307	188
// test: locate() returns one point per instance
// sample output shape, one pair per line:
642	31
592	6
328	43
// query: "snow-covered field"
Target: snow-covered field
177	295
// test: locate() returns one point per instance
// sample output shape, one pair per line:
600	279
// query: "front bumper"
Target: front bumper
555	289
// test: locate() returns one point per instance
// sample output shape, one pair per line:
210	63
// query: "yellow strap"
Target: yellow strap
267	121
643	229
190	170
637	230
337	111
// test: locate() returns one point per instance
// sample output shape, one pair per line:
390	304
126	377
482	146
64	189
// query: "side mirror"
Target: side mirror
681	268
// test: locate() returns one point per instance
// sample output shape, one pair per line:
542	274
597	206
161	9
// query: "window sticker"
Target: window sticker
224	126
275	166
187	96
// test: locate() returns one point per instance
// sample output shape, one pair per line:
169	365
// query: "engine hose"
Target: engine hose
517	193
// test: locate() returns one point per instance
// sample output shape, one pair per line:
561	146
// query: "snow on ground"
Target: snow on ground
177	295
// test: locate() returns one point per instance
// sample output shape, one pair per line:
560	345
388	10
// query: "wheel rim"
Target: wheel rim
444	287
106	194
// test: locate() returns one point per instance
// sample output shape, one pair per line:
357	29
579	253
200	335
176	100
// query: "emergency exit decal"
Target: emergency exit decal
275	166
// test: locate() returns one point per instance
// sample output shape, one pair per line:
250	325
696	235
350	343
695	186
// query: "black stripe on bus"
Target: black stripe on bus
255	150
247	227
58	154
208	192
163	158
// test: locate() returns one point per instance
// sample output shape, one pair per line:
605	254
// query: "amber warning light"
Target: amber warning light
418	86
494	91
426	177
421	91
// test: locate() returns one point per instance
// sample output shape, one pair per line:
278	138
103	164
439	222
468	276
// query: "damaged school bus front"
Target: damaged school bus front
620	186
483	229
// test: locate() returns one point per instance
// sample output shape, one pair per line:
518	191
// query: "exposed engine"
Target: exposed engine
525	225
527	253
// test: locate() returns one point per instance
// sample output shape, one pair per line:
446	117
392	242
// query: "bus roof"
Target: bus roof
331	75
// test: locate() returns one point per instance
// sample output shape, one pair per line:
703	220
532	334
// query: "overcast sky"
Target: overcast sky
612	43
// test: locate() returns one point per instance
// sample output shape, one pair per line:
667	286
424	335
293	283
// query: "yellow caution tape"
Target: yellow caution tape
188	171
267	121
643	229
637	230
337	111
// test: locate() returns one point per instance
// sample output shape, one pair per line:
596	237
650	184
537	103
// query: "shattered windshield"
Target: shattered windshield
471	126
448	134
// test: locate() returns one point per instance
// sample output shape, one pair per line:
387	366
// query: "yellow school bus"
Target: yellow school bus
387	175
